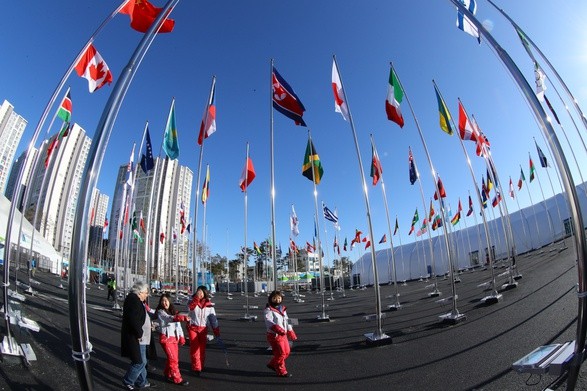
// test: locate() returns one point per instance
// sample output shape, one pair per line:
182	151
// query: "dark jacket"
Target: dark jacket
133	318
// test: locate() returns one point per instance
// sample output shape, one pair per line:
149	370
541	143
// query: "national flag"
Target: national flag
484	197
489	183
137	236
368	243
92	67
497	199
293	223
415	219
55	142
142	15
105	224
285	99
540	81
247	175
424	227
147	161
483	187
543	161
330	216
437	223
383	239
376	168
340	102
170	140
512	194
412	167
483	143
470	207
182	222
551	109
345	244
524	40
464	23
65	108
208	124
256	248
396	226
395	95
310	248
292	246
174	235
206	186
188	229
532	169
357	238
161	237
443	113
440	191
130	168
312	167
142	222
460	206
466	129
432	212
522	178
456	218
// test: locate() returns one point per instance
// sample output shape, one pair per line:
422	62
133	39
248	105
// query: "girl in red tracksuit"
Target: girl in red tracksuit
201	315
171	335
278	331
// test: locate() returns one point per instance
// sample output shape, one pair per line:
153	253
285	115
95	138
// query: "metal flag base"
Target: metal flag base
323	318
394	307
10	347
374	339
517	277
509	285
116	306
494	298
434	293
249	318
452	317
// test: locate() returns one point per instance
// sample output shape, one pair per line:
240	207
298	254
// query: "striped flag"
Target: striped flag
464	23
330	216
65	109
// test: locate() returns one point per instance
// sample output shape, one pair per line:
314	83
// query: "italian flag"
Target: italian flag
395	95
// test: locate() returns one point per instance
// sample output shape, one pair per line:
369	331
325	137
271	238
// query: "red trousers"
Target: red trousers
171	371
280	347
198	339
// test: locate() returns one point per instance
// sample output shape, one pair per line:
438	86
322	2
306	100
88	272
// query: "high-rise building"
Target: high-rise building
14	172
97	220
55	184
161	219
12	127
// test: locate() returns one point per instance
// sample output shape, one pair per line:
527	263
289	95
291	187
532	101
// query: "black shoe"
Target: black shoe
285	375
271	367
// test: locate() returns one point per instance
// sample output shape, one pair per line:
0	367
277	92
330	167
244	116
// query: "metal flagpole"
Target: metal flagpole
149	237
401	252
246	261
378	336
526	235
272	169
396	305
548	217
76	291
533	209
329	257
570	192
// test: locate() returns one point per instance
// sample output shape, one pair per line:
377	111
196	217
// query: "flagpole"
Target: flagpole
526	235
134	181
246	259
378	336
570	192
401	252
455	316
548	217
272	169
327	251
149	237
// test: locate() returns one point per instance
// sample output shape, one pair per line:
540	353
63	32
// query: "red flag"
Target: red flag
368	244
248	175
310	248
285	99
208	125
357	238
440	189
92	67
512	194
376	169
496	199
466	130
143	14
161	237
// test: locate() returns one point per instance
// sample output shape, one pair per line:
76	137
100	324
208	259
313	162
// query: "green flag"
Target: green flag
443	112
312	167
64	111
170	142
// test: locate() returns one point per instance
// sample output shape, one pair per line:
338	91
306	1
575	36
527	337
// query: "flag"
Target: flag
483	187
174	235
483	143
208	125
540	81
412	167
105	224
496	200
345	244
137	235
464	23
142	222
55	142
367	243
443	113
330	216
292	246
395	95
64	111
206	186
142	15
532	169
161	237
466	129
312	167
552	109
456	218
437	223
376	169
189	228
247	175
543	161
432	212
383	239
525	43
293	222
310	248
182	221
484	196
396	226
285	99
489	183
357	238
470	207
340	102
256	248
130	168
170	141
92	67
522	178
512	194
147	161
414	221
440	191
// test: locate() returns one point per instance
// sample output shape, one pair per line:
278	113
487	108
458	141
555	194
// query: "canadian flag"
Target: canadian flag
93	67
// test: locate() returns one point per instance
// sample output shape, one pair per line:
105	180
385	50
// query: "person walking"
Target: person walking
202	315
278	332
171	336
135	336
111	285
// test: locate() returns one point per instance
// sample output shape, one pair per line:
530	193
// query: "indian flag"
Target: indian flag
395	95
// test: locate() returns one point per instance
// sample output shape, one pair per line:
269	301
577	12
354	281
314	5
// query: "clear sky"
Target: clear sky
235	41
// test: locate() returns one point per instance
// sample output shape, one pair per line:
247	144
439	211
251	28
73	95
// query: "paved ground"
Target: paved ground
425	354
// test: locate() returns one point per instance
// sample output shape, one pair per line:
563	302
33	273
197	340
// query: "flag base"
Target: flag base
509	285
394	307
517	277
116	306
453	317
494	298
434	293
457	280
249	318
323	318
10	347
374	339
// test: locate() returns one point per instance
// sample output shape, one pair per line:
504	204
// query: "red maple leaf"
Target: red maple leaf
97	73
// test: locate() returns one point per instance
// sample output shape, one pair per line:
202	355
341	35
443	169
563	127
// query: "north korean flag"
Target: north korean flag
285	99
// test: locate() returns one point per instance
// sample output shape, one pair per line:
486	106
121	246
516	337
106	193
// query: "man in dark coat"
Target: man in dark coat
135	336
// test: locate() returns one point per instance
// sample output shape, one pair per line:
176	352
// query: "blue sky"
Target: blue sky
236	40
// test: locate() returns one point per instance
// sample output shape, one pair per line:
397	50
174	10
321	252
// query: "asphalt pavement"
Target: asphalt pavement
424	354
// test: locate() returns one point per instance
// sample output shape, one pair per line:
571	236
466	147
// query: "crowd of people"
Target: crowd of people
141	324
